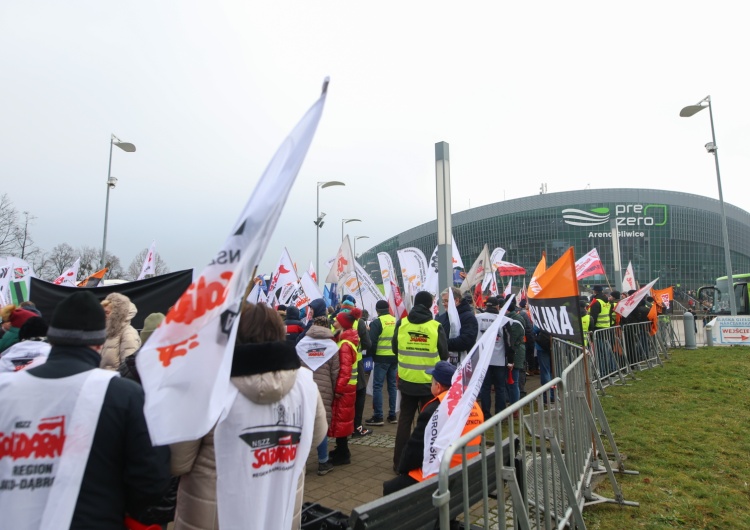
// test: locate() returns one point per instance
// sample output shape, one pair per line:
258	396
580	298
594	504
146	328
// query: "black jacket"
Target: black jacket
376	328
124	472
419	315
413	453
469	328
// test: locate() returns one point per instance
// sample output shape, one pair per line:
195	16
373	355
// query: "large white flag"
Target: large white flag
413	269
453	318
626	305
68	277
342	264
507	288
185	365
310	287
457	261
589	265
364	290
149	262
284	273
628	281
6	271
478	270
497	257
313	274
450	417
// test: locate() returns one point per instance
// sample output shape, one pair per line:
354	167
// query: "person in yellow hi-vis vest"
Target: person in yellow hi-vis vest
410	466
385	364
419	342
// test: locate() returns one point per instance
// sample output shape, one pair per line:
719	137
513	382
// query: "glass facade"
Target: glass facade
671	235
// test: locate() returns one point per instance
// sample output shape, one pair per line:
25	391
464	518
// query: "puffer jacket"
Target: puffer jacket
122	338
327	374
342	413
195	461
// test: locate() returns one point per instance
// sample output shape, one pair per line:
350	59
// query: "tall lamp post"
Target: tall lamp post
319	221
355	245
343	221
111	182
712	148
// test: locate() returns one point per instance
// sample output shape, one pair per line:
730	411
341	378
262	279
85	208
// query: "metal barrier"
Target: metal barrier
641	347
549	482
608	356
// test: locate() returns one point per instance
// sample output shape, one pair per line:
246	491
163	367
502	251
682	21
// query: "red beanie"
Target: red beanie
347	318
19	317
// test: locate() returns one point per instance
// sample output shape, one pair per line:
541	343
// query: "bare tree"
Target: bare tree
8	226
57	260
89	260
134	269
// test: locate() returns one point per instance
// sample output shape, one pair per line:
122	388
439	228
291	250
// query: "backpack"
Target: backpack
544	339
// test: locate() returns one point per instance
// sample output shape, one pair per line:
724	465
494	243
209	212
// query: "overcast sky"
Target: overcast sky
572	94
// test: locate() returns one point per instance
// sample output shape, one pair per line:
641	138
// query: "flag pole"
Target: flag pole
248	289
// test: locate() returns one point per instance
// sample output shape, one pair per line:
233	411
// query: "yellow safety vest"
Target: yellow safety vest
585	320
353	377
417	350
604	318
384	346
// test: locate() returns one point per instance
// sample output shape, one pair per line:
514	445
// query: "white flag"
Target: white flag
390	285
413	269
626	305
310	286
589	265
507	288
149	263
453	318
628	281
6	271
313	274
450	417
263	299
359	284
457	261
252	297
343	263
478	270
185	365
497	257
284	273
68	278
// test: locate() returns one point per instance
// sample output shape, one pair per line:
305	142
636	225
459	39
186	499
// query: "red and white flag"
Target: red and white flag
497	257
414	270
186	363
310	287
312	273
589	265
476	274
626	305
68	278
506	268
450	417
628	281
285	272
507	288
343	263
149	262
522	293
390	285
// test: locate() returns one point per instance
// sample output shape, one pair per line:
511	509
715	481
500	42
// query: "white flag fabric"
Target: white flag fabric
453	318
252	297
457	261
506	268
589	265
315	352
480	267
628	281
497	257
6	271
310	286
359	284
68	277
292	294
493	286
14	271
432	283
149	262
313	275
284	274
390	285
507	288
263	299
185	365
626	305
343	263
450	417
413	269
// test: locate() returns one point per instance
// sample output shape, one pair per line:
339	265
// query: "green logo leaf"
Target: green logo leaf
601	210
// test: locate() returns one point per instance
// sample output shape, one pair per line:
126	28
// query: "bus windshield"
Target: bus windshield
716	300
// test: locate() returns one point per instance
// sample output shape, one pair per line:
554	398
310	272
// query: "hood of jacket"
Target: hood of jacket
122	312
419	314
348	334
320	333
265	372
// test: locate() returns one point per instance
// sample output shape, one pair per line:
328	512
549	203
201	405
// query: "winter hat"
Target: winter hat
348	297
19	317
32	328
347	304
78	321
615	295
292	313
424	299
381	306
598	289
346	319
522	303
492	301
631	292
319	307
150	324
442	372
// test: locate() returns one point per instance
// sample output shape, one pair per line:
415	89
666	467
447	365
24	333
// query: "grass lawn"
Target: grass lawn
686	428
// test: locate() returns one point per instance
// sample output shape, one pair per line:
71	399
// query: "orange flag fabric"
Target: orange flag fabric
94	279
654	318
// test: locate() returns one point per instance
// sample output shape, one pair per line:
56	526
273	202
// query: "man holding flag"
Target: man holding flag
410	466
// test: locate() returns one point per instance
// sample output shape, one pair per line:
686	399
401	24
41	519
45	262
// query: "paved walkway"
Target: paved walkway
346	487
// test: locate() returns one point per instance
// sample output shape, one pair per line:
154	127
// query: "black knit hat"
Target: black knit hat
424	299
33	328
381	305
78	321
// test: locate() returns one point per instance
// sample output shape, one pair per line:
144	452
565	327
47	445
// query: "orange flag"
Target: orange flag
663	298
654	318
94	279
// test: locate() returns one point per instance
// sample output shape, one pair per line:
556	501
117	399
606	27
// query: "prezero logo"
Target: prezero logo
594	217
625	215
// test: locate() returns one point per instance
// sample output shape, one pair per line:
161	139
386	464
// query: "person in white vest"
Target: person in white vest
74	447
248	471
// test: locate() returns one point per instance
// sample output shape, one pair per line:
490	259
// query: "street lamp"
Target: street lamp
712	149
111	183
319	221
347	221
355	245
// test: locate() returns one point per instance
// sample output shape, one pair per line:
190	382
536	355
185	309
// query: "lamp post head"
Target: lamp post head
112	182
688	111
125	146
351	220
330	183
711	148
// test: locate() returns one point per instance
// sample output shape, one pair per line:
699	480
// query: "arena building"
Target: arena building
671	235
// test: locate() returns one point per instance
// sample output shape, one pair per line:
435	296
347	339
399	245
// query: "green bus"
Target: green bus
715	299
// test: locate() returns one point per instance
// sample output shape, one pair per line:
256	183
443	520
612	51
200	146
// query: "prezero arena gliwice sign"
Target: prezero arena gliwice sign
625	215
